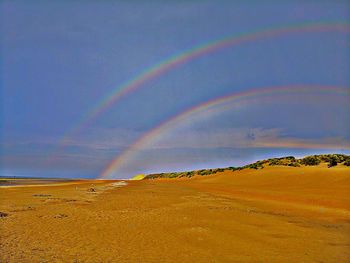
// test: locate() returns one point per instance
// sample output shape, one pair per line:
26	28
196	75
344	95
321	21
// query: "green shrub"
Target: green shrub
287	161
347	162
273	162
339	158
311	160
256	165
291	158
294	164
333	161
190	174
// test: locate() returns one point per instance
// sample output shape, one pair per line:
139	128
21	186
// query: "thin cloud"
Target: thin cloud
247	138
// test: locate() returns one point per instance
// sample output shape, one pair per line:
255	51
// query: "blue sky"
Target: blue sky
58	58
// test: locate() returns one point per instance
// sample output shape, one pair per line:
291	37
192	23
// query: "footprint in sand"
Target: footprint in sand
2	214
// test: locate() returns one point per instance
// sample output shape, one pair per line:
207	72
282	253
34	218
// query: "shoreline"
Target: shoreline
29	183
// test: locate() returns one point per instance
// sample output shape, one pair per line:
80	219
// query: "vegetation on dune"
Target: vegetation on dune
347	162
286	161
331	159
188	174
311	160
257	165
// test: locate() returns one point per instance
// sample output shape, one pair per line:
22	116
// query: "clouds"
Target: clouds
215	138
186	150
300	143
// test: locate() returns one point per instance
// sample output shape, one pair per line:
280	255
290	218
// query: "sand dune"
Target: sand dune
277	214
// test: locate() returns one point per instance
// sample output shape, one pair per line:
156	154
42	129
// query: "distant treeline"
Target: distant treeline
331	159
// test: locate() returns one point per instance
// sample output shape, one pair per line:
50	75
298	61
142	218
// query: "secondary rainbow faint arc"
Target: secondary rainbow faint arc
168	124
200	50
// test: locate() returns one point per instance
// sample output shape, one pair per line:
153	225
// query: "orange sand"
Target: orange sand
278	214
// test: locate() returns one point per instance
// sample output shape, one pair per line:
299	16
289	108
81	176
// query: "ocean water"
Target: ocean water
47	174
6	182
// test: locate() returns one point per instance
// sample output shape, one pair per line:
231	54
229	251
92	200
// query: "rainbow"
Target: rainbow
174	61
234	99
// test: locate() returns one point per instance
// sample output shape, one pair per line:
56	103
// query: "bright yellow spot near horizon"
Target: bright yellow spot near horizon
138	177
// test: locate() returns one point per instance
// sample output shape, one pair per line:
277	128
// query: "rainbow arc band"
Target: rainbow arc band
172	62
234	99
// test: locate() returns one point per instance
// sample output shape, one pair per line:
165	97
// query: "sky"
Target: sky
59	59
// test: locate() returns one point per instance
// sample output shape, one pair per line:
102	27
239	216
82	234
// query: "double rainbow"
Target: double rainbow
172	62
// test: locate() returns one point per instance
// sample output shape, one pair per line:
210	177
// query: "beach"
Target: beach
277	214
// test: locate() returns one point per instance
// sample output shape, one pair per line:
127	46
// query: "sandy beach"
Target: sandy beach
277	214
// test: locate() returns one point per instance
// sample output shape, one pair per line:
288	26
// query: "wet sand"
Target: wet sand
10	182
278	214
